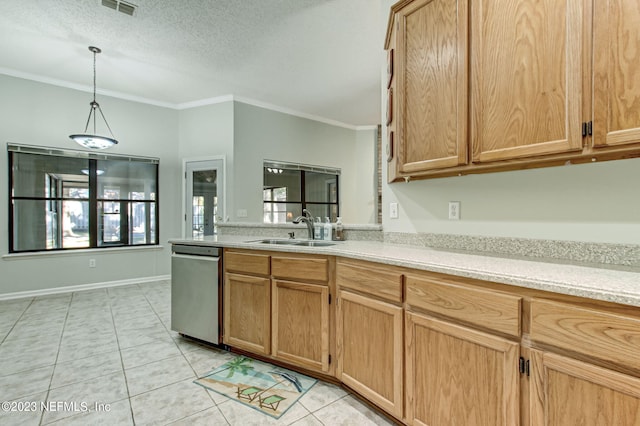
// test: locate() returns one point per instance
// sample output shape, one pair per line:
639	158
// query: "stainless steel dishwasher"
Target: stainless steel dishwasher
196	291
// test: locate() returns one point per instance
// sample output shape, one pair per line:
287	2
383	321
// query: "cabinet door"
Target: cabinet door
247	313
369	346
616	84
569	392
526	78
458	376
300	328
432	85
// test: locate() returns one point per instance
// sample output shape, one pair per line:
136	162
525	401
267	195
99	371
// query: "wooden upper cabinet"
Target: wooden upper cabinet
431	84
526	78
616	80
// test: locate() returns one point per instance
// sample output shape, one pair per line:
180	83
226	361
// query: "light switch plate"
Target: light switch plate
393	210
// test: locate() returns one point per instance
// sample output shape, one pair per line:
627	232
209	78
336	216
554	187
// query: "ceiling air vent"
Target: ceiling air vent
120	6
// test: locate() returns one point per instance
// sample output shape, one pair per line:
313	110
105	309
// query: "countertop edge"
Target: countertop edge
512	273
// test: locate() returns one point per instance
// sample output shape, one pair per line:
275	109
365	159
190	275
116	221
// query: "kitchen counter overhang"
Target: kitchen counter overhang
584	281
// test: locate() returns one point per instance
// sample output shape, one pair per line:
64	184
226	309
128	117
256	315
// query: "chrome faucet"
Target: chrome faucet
308	220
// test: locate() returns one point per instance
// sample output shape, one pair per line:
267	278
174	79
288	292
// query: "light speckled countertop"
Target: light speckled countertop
596	283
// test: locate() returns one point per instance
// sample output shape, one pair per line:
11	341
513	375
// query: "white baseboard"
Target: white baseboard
81	287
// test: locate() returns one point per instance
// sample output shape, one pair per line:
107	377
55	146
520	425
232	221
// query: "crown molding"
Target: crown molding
185	105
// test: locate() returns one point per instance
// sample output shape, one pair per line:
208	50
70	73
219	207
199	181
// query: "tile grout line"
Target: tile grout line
124	373
156	313
55	361
195	373
149	294
16	321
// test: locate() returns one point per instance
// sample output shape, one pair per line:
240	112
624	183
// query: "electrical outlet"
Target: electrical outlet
242	213
393	210
454	210
92	263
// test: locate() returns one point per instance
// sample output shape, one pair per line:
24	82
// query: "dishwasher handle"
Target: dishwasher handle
195	250
192	257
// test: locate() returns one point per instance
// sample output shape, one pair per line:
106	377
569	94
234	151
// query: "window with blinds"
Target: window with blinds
289	188
64	199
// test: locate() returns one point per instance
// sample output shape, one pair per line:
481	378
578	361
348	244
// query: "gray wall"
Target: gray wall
207	131
261	134
40	114
598	202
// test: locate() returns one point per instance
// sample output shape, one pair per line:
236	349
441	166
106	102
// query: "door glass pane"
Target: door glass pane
109	222
139	220
75	224
204	206
197	213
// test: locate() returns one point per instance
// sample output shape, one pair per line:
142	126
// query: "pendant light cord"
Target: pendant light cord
94	93
94	76
95	105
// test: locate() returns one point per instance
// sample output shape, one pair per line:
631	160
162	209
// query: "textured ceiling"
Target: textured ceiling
317	57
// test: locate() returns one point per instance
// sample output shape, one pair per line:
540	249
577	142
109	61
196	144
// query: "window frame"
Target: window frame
152	206
303	169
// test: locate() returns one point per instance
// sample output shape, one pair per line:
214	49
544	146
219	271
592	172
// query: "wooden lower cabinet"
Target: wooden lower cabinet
268	310
247	313
459	376
369	348
300	324
570	392
411	343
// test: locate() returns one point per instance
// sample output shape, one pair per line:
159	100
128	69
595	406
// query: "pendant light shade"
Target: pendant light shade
94	141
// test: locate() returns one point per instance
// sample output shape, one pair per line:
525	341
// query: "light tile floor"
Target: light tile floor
115	347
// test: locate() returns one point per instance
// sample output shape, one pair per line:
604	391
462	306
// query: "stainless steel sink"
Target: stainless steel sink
276	241
315	243
291	242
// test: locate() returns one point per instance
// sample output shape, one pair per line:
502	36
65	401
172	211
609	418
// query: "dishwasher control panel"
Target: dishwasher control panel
196	250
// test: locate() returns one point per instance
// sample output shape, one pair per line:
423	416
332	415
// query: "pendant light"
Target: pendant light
94	141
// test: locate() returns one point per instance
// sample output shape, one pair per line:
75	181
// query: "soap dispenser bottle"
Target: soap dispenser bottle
317	229
339	230
327	229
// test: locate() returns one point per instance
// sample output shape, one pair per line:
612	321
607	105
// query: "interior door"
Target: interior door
204	197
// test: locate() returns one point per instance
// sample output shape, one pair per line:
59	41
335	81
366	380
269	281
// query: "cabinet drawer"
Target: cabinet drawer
248	263
603	335
369	279
300	268
485	308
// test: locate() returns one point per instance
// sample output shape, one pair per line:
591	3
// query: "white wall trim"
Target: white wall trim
78	252
371	127
184	105
272	107
293	112
80	287
205	102
83	88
